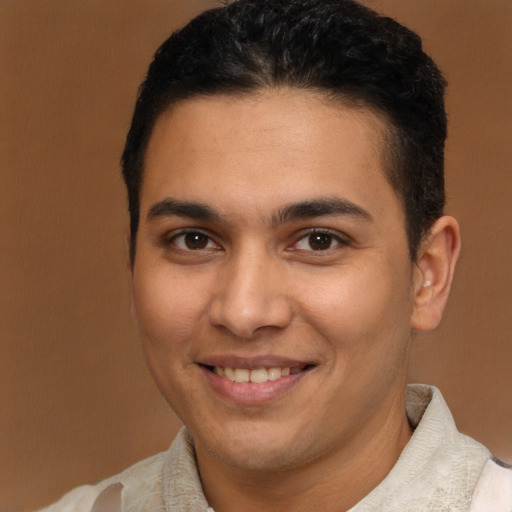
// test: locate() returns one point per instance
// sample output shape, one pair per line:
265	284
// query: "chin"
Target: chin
255	459
255	448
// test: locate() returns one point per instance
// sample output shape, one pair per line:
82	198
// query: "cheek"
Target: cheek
168	312
359	308
168	308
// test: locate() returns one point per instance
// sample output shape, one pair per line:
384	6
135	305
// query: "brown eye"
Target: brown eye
320	241
193	241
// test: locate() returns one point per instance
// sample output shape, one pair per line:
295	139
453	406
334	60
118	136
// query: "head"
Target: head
338	48
284	170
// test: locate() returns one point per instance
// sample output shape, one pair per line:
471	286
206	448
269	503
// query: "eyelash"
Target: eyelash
333	237
169	240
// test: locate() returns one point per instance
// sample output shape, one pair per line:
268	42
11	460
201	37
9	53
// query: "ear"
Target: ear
433	273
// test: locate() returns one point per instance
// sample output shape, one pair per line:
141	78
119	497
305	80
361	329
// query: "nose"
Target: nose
251	296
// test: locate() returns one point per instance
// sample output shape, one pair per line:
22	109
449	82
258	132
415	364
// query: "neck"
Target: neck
333	482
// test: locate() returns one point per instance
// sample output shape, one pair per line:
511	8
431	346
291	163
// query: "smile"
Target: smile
256	376
254	382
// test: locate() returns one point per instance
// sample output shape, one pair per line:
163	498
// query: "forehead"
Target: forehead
272	146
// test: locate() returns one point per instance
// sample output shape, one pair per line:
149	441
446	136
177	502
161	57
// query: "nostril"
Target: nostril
245	315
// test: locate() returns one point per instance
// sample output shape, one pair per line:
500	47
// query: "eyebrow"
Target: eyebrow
319	207
323	206
191	210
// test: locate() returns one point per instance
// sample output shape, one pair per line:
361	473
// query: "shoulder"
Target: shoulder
157	483
438	468
493	490
459	466
144	476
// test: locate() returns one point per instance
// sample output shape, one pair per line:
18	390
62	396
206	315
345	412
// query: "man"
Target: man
284	169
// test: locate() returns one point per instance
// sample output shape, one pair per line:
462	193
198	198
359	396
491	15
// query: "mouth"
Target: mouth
257	375
253	380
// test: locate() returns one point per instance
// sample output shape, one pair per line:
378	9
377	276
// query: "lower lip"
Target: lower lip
250	393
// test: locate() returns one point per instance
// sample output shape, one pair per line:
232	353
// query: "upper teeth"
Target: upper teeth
258	375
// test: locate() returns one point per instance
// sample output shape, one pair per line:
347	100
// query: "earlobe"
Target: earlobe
433	273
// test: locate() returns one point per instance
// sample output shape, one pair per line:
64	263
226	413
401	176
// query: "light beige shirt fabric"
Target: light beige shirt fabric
436	472
493	492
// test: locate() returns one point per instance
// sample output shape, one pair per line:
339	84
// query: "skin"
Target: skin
256	282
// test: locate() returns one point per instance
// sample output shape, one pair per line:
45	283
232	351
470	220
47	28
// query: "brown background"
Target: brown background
76	401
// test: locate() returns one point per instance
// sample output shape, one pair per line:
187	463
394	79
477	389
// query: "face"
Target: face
272	281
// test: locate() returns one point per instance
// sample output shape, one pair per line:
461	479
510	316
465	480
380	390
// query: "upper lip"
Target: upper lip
254	362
